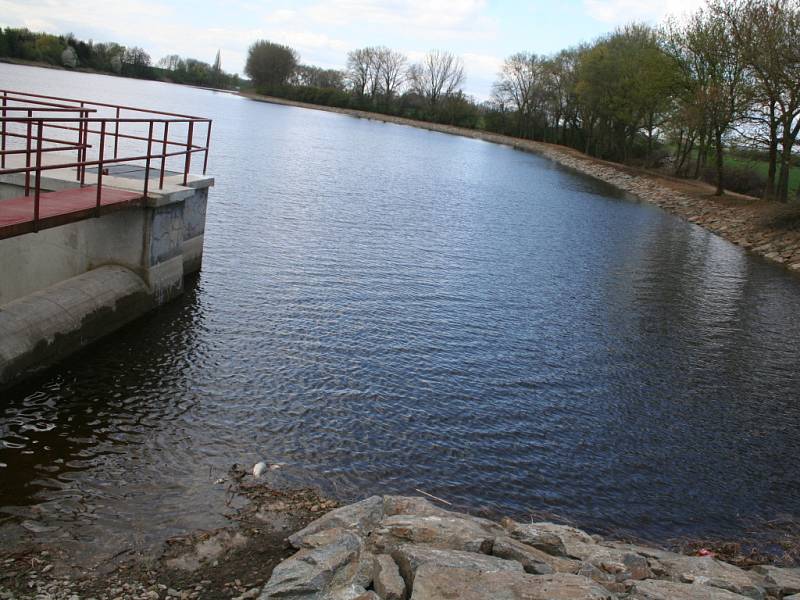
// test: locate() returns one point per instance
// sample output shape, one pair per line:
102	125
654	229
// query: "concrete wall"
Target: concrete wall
157	244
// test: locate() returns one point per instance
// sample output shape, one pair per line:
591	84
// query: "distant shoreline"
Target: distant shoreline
764	228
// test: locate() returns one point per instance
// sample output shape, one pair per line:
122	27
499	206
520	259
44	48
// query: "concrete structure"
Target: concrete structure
64	287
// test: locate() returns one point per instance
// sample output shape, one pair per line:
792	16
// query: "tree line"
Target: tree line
70	52
684	97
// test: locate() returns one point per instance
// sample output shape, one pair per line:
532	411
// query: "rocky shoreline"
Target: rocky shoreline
398	548
393	548
768	229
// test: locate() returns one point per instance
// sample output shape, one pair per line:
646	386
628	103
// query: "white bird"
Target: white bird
259	468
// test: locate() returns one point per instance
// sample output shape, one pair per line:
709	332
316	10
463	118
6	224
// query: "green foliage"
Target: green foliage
110	58
270	64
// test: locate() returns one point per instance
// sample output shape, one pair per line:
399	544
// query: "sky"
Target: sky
482	32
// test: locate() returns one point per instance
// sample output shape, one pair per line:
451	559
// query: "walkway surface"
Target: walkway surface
59	208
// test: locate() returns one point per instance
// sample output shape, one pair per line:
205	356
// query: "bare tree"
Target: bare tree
392	68
518	82
364	71
439	75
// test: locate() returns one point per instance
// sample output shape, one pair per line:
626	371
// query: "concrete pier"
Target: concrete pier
64	287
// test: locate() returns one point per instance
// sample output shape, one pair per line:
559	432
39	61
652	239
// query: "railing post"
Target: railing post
38	179
116	133
3	137
208	143
163	155
188	153
147	160
78	146
85	124
100	166
28	155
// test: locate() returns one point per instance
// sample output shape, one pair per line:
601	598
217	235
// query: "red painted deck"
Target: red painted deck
59	208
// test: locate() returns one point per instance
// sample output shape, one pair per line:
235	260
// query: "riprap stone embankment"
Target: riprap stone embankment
397	548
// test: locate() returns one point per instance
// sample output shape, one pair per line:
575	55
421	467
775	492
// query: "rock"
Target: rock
532	559
705	570
778	582
469	534
361	517
620	564
318	570
349	592
539	537
250	594
440	583
656	589
207	549
366	569
387	581
412	505
410	558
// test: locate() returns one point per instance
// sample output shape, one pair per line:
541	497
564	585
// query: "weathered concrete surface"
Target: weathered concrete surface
158	244
40	329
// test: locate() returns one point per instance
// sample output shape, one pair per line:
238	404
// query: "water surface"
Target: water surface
384	308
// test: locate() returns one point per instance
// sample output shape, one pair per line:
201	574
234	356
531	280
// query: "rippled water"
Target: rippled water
384	308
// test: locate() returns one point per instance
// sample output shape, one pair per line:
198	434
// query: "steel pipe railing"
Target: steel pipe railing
25	119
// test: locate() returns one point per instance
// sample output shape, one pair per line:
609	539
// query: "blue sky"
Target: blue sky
483	32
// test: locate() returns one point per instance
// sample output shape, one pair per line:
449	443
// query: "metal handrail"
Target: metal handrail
42	112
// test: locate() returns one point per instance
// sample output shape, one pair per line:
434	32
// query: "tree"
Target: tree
391	71
136	62
269	64
363	71
626	82
765	32
714	68
216	71
519	83
171	62
439	75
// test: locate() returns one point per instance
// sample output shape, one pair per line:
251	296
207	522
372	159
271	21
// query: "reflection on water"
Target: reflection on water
385	309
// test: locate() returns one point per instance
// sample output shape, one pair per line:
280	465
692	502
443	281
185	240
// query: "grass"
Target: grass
762	167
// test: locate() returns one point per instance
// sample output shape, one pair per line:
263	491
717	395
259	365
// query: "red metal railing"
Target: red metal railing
33	125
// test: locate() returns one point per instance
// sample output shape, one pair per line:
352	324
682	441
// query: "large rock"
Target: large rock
705	570
361	518
778	582
387	581
654	589
410	558
327	565
412	505
621	565
440	583
469	534
557	540
532	559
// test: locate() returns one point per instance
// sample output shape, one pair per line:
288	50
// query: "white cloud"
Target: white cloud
624	11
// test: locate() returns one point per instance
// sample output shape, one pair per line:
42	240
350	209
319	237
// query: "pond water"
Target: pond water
383	308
